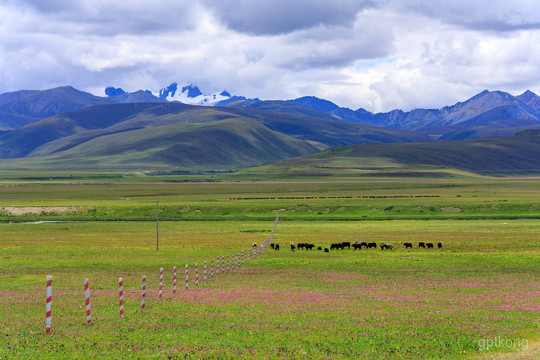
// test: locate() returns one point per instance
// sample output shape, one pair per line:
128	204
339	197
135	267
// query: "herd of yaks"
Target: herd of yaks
356	246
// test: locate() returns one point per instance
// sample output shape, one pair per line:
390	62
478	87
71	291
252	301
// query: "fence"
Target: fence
236	258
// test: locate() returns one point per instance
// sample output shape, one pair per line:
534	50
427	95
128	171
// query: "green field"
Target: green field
132	196
449	303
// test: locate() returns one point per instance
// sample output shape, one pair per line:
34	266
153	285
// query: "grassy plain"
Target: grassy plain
482	286
132	196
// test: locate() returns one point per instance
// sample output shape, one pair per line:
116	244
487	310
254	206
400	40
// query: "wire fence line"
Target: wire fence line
237	260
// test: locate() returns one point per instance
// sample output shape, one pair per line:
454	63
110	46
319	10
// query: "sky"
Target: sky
378	55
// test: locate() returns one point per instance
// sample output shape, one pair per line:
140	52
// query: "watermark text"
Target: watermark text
498	343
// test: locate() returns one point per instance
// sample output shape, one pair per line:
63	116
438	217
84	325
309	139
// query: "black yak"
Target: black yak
408	245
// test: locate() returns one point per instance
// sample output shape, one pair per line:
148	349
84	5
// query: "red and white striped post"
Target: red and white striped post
160	282
87	301
121	295
48	305
174	280
227	262
217	266
187	283
204	279
196	275
223	264
212	269
143	292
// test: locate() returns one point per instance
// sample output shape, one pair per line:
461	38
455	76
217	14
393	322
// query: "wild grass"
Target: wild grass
372	304
442	303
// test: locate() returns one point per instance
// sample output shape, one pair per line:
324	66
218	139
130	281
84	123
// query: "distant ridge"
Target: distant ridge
485	114
496	156
488	113
161	134
24	107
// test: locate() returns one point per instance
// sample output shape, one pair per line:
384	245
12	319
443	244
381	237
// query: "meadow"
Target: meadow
474	298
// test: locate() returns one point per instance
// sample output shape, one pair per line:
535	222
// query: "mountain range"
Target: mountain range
182	127
489	113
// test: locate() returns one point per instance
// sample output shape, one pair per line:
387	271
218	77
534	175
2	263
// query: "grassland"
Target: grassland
482	285
133	196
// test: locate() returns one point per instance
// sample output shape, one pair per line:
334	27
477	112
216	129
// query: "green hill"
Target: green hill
222	145
494	156
174	134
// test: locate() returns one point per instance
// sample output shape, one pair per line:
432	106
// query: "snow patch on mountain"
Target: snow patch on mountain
191	94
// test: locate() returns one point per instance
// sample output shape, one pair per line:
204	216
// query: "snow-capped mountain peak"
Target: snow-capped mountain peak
191	94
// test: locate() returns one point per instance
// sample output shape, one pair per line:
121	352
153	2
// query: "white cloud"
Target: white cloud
379	55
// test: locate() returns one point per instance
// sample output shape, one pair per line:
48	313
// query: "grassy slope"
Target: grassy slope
67	131
225	144
496	155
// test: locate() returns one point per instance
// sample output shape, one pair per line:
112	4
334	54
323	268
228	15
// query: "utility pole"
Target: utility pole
157	225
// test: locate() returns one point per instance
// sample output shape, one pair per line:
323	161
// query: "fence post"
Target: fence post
160	282
174	280
187	283
204	278
87	301
121	296
143	292
48	305
196	275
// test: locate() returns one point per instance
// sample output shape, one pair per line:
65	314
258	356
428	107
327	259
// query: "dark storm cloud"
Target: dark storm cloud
271	17
110	18
484	15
